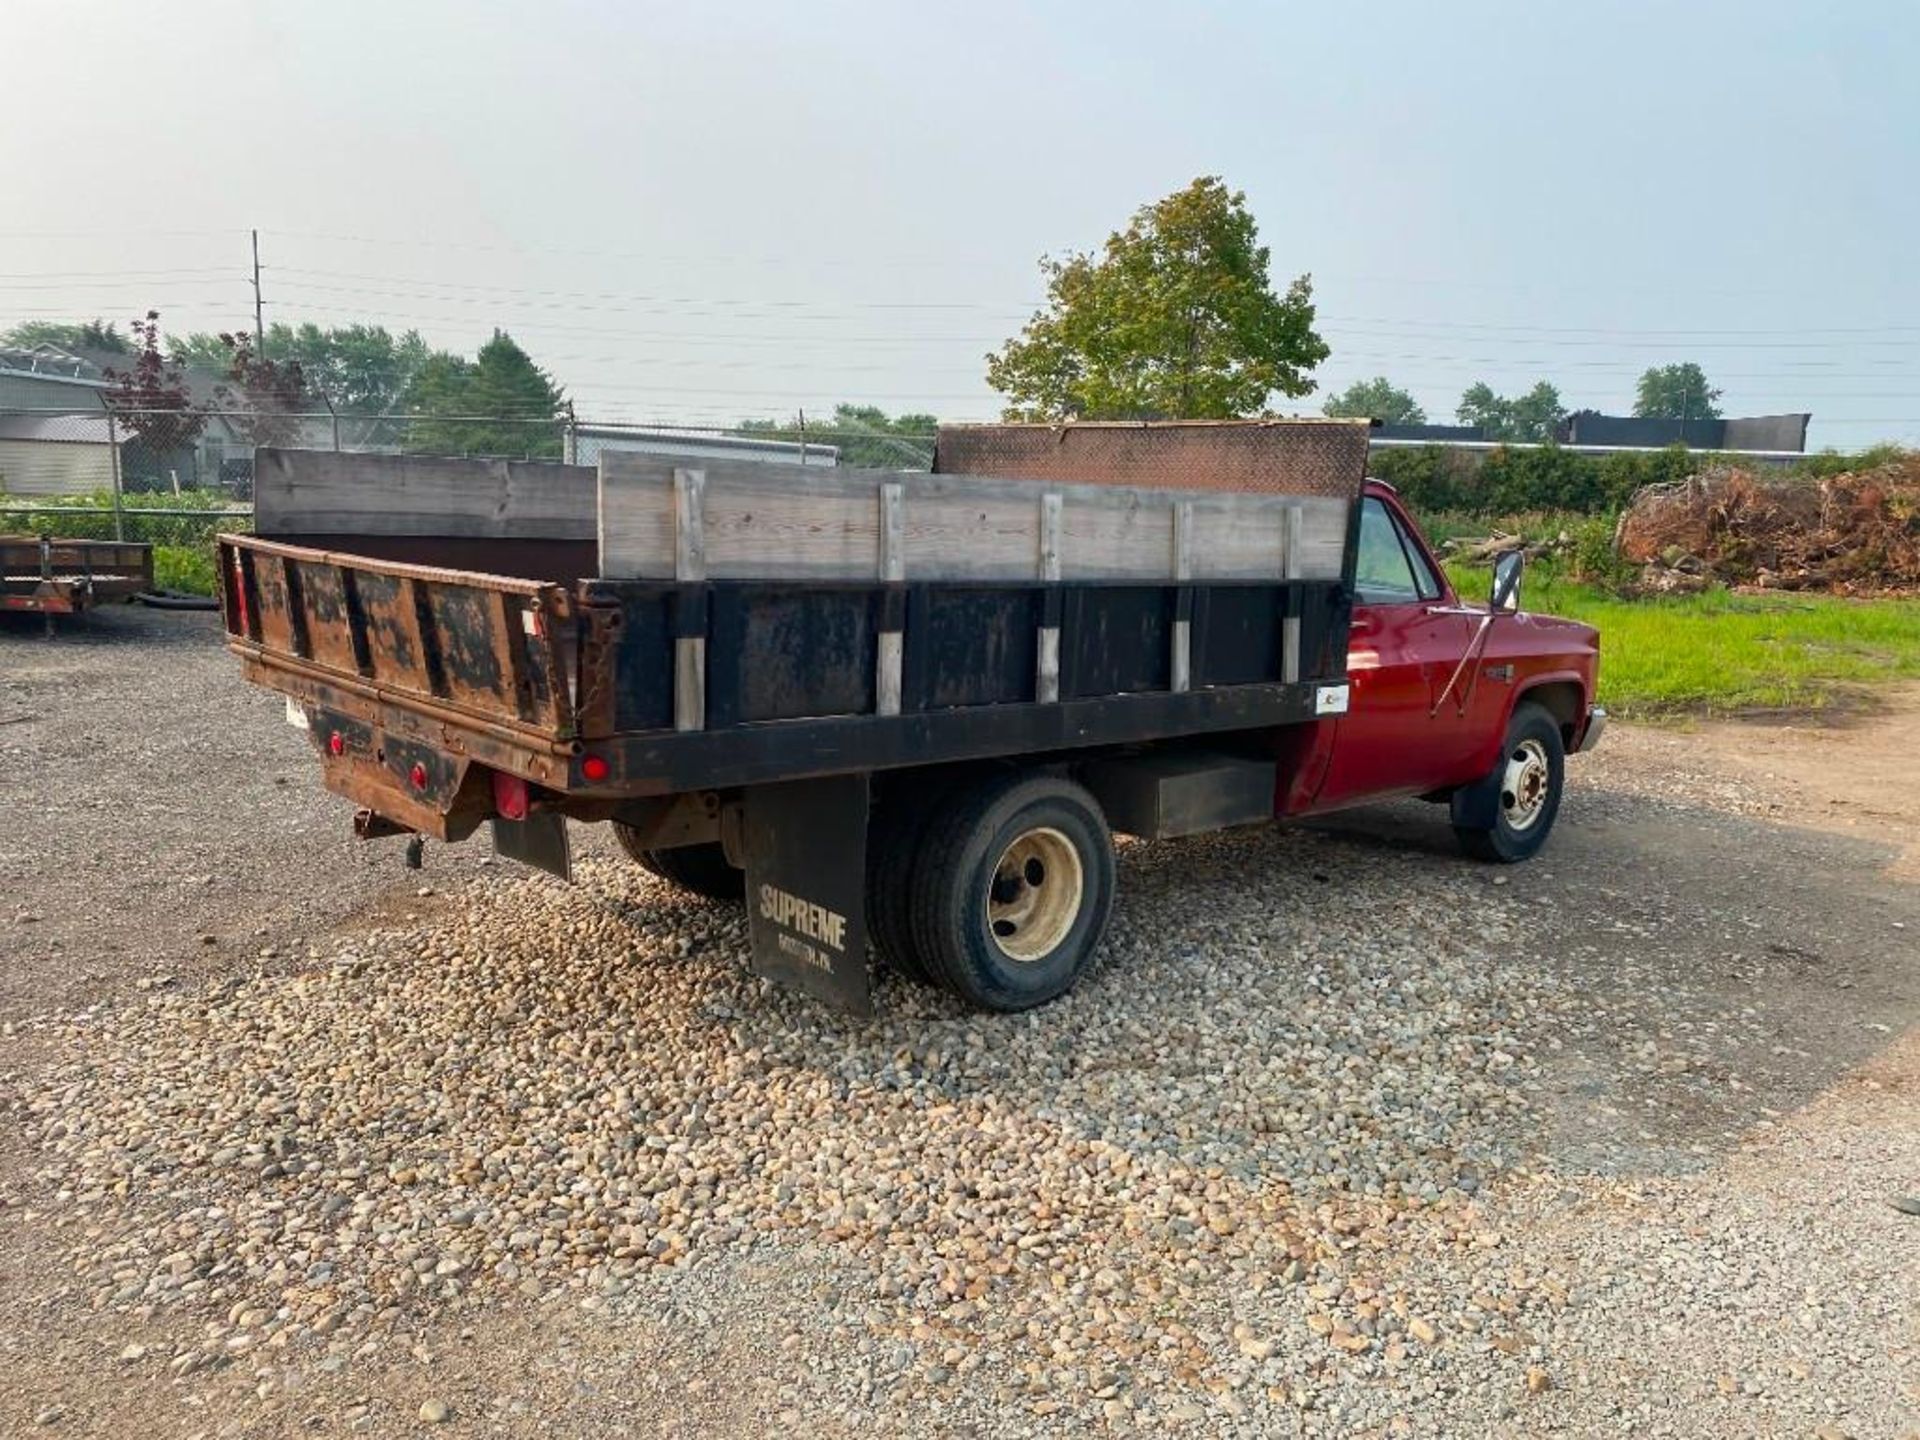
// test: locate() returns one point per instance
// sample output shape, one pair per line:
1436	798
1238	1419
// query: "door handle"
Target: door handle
1359	624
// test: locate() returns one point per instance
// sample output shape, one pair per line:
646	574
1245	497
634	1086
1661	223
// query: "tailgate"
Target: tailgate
490	654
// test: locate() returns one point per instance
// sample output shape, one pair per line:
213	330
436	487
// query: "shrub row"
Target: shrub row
1435	478
1504	481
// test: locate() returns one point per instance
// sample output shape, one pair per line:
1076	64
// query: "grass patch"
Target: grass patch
187	569
1719	653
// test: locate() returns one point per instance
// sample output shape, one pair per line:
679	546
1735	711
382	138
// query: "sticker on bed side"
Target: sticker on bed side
1330	699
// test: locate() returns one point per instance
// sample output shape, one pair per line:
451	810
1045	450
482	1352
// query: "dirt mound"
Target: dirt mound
1854	533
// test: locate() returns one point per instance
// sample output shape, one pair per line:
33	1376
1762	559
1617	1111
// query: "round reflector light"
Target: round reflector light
595	767
510	796
418	775
335	744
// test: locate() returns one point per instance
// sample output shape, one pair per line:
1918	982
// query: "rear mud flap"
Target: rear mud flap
540	840
806	887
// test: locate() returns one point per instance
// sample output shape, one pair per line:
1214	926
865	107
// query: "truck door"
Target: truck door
1405	642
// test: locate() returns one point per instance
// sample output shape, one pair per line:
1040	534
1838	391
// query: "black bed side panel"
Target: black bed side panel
777	653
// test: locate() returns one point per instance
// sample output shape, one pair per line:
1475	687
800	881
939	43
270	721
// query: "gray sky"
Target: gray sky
699	213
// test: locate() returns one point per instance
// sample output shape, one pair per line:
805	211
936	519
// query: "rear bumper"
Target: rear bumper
1595	728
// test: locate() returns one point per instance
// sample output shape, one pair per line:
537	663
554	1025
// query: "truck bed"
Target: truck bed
750	625
535	679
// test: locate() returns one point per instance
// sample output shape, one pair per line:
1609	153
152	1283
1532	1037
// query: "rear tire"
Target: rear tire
1013	890
1529	777
893	845
702	869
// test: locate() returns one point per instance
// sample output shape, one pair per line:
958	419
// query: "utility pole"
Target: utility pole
259	311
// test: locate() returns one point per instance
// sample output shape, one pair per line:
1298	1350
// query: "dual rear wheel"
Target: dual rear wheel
998	890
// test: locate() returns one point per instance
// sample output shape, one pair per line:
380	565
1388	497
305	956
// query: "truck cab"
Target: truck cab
1476	704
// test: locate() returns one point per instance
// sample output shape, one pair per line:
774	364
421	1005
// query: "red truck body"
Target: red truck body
1434	683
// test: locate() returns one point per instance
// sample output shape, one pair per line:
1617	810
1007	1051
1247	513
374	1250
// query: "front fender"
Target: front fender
1568	699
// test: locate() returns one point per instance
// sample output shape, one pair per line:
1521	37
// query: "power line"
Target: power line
658	299
103	283
665	305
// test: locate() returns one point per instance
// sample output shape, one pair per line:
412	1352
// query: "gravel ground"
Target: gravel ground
1345	1135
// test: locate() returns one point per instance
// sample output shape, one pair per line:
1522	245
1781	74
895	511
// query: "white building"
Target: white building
53	430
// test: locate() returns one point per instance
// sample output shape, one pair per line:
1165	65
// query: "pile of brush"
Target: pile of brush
1854	533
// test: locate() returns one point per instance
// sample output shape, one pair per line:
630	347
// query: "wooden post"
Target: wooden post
1293	519
690	568
1047	681
893	571
1179	671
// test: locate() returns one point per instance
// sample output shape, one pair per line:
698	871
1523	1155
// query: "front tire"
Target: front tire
1013	890
1527	782
701	869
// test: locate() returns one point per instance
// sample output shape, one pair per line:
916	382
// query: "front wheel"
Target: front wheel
1012	890
1529	777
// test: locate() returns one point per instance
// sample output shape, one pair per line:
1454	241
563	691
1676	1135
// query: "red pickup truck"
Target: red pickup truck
906	708
1475	704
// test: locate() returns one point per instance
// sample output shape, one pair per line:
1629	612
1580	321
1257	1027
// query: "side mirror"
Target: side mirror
1506	581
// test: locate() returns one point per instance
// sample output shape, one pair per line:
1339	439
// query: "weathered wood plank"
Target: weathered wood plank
770	521
893	553
1291	546
321	492
1047	677
1180	663
690	682
689	566
689	525
890	649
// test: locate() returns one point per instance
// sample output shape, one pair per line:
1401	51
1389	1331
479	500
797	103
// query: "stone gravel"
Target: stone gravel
1344	1136
1111	1213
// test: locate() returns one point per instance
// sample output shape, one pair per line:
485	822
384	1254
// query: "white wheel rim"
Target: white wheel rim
1034	896
1526	785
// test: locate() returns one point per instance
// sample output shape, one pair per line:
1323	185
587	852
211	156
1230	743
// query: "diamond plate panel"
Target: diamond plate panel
1268	457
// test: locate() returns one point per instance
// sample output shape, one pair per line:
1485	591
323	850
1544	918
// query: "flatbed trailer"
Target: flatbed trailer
53	576
833	690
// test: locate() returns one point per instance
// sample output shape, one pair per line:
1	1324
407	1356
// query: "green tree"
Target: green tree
434	398
267	397
1175	318
362	369
96	335
1676	392
1376	399
1532	417
864	435
499	403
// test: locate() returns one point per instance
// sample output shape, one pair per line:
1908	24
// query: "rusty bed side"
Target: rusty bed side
491	657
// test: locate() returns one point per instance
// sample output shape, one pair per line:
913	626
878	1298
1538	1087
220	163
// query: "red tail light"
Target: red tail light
418	775
336	745
509	796
240	597
595	767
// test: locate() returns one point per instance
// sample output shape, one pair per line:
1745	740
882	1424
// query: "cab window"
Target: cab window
1383	575
1423	576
